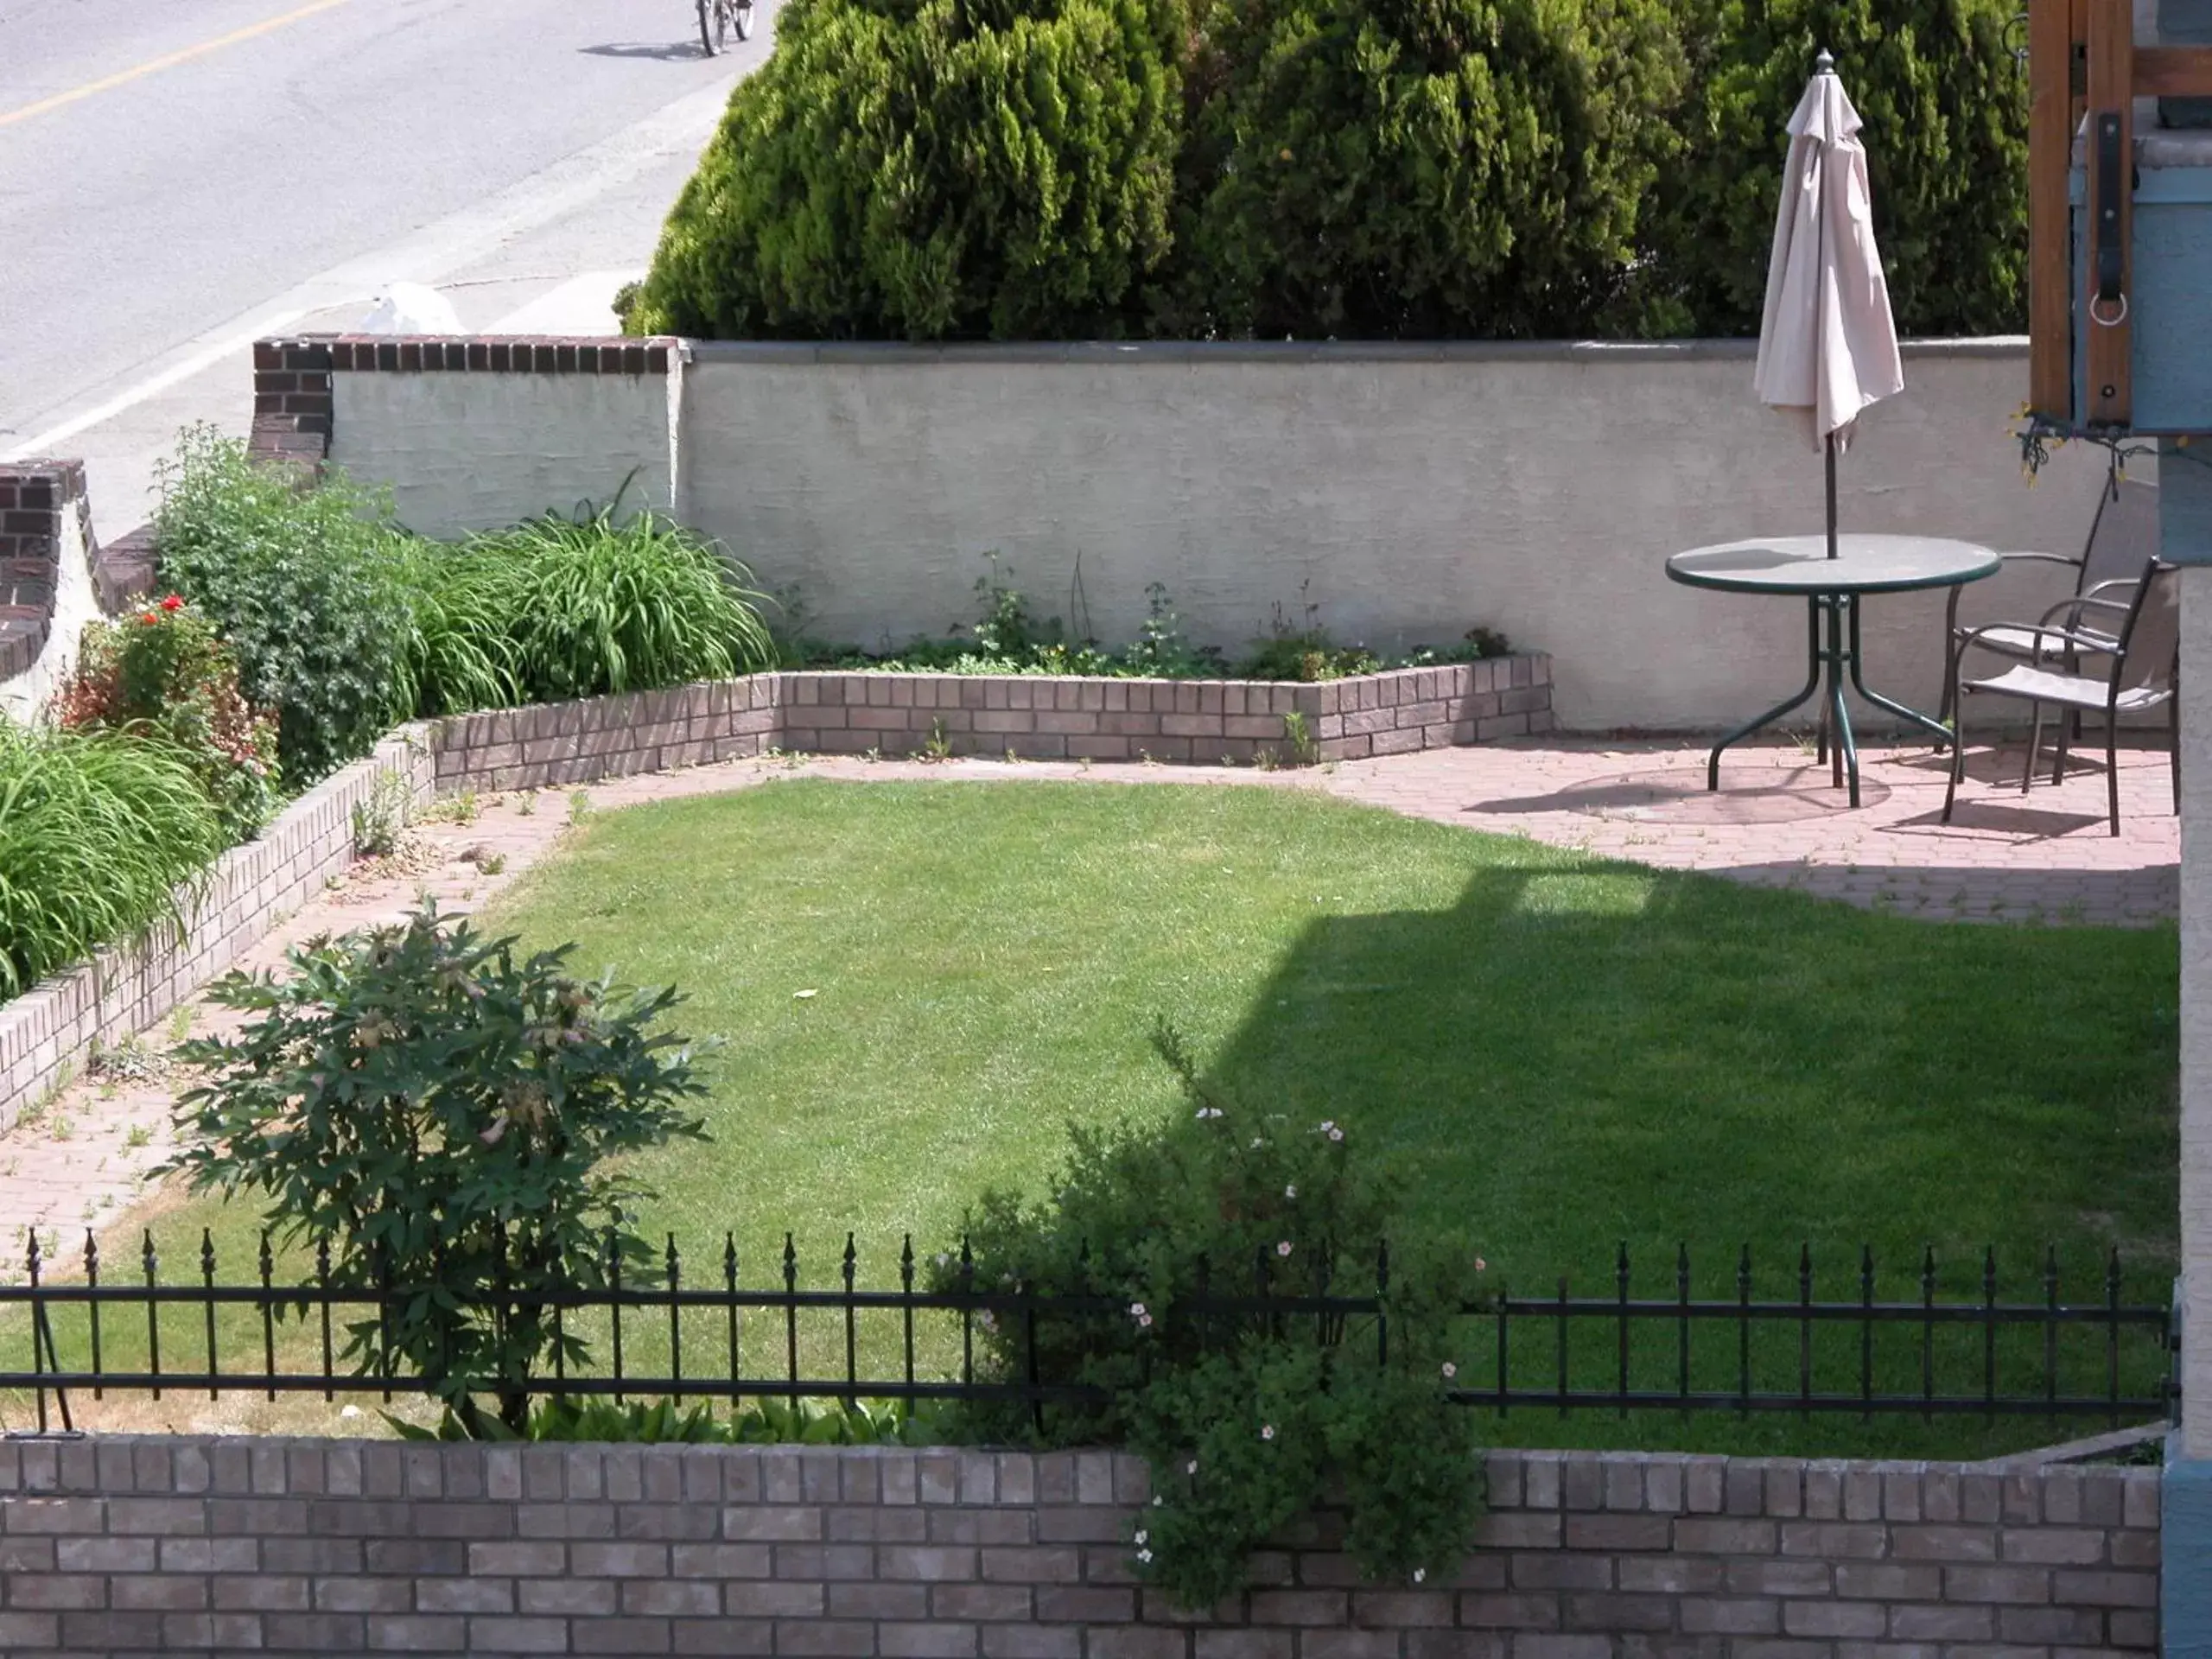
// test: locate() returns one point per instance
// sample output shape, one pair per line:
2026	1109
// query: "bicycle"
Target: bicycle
720	19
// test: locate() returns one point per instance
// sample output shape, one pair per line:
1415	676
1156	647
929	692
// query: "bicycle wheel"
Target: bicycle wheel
706	39
740	13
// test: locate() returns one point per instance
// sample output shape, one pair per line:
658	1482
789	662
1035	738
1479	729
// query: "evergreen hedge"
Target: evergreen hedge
1027	170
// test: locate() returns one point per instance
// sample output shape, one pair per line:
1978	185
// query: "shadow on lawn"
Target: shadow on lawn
1571	1060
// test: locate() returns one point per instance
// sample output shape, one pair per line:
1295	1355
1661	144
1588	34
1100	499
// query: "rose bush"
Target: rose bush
167	675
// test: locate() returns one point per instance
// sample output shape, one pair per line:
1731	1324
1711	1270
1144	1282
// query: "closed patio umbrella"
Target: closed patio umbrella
1828	343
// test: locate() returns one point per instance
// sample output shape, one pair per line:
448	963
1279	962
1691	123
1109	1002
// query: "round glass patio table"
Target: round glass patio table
1797	567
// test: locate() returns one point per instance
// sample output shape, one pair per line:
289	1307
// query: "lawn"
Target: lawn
920	987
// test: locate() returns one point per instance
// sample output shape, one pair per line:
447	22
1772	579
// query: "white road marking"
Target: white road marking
452	243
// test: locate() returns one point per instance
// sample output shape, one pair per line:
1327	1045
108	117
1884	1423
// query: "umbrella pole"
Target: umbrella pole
1831	457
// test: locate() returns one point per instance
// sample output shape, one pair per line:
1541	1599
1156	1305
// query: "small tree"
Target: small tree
1418	169
440	1112
932	169
1945	104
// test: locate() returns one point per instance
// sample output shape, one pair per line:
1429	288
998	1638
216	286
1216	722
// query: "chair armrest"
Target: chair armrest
2086	641
2076	607
2123	606
2096	589
2041	558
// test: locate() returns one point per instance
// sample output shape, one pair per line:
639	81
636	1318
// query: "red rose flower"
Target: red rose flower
172	603
149	618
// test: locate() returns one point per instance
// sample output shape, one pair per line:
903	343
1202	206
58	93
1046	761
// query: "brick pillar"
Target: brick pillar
34	496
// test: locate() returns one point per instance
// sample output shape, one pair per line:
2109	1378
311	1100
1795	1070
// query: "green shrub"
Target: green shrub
442	1113
1248	1421
579	607
166	673
302	583
97	831
1419	168
1945	106
666	1423
932	169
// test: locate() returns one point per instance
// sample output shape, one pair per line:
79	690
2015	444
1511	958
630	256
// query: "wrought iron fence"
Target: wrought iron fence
1932	1353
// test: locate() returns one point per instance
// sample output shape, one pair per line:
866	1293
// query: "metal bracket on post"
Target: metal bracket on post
2109	348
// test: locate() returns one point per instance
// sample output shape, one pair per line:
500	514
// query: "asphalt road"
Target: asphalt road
177	177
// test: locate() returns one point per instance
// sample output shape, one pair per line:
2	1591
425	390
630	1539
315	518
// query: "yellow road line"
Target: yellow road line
46	105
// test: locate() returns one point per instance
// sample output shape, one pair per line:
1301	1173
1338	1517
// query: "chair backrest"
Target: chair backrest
2124	533
2151	640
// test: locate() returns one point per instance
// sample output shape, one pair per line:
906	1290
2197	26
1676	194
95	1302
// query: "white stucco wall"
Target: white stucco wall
24	697
1410	493
474	451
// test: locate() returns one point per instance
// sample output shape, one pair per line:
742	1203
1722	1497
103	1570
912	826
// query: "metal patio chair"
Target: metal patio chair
2145	647
2123	535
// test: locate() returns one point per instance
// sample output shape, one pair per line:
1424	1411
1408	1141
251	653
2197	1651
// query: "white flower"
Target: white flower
1205	1112
1257	1143
1144	1555
1328	1125
1142	1535
1157	1501
1335	1134
1290	1192
1481	1265
1190	1468
1450	1370
1420	1573
1136	1310
1283	1249
1267	1431
1144	1319
985	1319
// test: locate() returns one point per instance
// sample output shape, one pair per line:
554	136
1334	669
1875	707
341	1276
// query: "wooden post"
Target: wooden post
2111	158
2050	139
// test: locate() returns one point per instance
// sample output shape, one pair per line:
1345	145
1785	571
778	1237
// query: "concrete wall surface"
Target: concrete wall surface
1408	493
128	1544
477	451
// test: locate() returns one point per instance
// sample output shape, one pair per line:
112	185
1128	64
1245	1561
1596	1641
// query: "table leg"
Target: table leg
1844	755
1939	731
1812	659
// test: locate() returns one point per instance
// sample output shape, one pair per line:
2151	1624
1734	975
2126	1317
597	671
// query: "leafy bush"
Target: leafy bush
167	675
1419	168
932	169
1945	112
442	1114
97	831
302	583
664	1422
1249	1420
562	607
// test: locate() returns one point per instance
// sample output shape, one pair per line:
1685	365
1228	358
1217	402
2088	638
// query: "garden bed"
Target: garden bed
1032	717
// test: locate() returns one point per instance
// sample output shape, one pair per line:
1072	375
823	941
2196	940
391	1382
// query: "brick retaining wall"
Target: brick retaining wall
1035	717
51	1029
137	1545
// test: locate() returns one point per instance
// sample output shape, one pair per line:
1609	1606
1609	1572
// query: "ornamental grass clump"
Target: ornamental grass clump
98	830
1250	1419
442	1114
578	606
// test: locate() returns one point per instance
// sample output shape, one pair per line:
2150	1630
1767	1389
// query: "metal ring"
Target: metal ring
2107	322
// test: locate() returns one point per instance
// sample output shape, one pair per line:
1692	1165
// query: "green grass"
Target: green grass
1556	1055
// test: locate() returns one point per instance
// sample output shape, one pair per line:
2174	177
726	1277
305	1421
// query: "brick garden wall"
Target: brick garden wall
51	1030
128	1545
1036	718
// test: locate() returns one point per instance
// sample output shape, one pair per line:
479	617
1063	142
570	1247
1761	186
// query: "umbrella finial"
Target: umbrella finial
1825	64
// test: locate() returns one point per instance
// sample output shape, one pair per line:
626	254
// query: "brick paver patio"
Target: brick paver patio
2044	859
